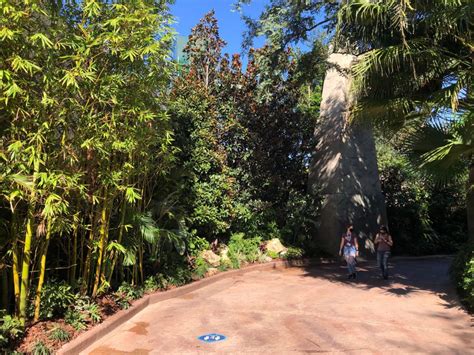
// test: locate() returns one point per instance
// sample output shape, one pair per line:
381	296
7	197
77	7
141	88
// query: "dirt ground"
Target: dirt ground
307	310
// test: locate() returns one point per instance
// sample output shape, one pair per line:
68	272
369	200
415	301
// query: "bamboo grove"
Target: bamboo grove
83	134
115	161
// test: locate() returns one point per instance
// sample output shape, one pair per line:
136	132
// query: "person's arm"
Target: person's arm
356	245
340	247
377	239
389	240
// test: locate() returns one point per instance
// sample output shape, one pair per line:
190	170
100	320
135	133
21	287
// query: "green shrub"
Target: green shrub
40	349
178	275
89	308
151	284
272	254
76	319
56	297
293	253
59	334
200	267
195	244
10	329
462	271
243	249
126	293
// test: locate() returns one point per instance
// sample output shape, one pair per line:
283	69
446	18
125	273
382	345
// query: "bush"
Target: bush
242	249
10	329
59	334
56	297
200	267
195	244
272	254
293	253
151	284
178	275
462	271
40	349
82	312
126	293
76	319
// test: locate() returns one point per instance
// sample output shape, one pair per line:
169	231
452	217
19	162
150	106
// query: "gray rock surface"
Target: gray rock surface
344	167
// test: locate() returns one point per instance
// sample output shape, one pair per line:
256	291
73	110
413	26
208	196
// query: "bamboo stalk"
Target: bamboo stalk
103	236
25	270
119	240
16	264
72	273
4	277
42	271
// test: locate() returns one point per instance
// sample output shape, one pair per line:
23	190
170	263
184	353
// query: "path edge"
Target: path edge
89	337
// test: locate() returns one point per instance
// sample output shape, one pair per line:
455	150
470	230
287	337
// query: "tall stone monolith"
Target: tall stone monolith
344	166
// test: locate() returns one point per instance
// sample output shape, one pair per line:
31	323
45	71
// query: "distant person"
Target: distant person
384	242
350	249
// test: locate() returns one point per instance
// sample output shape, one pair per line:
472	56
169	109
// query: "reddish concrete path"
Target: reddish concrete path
313	310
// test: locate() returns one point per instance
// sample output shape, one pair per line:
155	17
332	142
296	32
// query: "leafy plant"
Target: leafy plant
243	249
178	275
126	293
40	349
59	334
462	271
56	297
293	253
200	267
272	254
151	284
76	318
196	244
89	308
10	329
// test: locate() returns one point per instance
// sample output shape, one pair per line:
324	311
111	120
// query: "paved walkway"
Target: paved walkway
313	310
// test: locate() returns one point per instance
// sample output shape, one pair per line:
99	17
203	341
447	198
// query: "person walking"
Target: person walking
384	242
350	249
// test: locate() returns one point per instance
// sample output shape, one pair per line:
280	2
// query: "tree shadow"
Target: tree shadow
406	277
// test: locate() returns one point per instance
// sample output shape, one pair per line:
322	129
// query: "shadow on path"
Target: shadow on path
407	276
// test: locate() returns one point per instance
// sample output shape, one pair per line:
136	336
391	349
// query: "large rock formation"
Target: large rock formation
344	167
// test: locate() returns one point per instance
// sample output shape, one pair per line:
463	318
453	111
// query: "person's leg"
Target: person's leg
380	261
386	255
351	265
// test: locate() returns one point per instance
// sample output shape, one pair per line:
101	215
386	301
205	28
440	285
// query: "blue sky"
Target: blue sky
231	27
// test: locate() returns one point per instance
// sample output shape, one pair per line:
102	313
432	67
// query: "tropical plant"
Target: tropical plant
414	71
10	329
59	334
40	348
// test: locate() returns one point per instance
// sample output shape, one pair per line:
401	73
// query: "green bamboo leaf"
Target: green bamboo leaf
43	39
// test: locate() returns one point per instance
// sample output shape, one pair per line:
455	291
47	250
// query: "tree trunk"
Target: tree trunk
44	253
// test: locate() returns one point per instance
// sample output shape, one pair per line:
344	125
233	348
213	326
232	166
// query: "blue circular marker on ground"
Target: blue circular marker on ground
212	338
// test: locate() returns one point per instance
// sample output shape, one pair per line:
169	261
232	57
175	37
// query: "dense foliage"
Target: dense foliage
118	170
424	218
245	139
